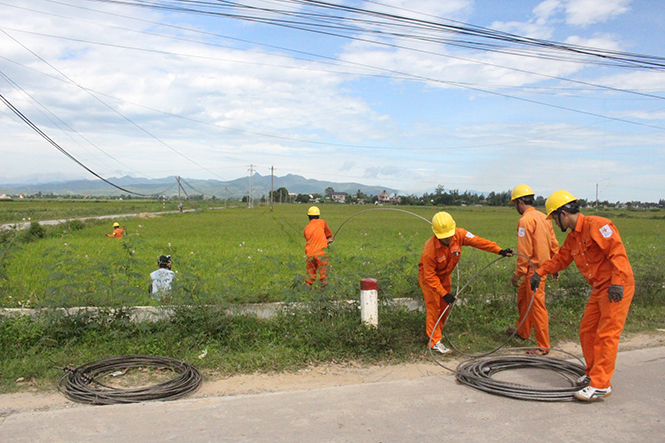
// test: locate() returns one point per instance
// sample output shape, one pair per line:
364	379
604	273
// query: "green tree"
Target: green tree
281	195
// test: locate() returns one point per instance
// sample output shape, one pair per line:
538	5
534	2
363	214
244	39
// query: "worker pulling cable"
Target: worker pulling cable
478	370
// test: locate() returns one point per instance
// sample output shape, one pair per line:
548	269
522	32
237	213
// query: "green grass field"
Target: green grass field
240	255
231	256
253	255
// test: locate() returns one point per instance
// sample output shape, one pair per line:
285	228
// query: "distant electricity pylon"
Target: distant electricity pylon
250	200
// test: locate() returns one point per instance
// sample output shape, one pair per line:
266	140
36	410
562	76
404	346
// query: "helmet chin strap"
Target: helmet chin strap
558	217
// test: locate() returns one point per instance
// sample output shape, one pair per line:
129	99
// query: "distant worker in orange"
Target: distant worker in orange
596	247
441	254
317	235
535	240
118	232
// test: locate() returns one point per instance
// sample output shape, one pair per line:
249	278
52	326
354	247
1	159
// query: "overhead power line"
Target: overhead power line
320	57
347	22
108	106
59	148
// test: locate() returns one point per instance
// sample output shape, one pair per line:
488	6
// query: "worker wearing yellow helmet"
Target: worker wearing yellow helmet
317	237
118	232
441	254
536	243
595	246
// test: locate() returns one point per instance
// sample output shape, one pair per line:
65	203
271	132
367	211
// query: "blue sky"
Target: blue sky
114	88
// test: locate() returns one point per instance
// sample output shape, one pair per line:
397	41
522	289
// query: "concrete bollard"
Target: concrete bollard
369	302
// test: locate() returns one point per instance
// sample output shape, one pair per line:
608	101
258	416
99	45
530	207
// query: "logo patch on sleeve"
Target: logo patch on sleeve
606	231
469	235
521	232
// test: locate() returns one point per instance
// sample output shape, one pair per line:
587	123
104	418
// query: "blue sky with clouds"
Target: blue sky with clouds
150	93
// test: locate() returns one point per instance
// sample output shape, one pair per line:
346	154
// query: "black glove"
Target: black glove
615	293
535	281
506	252
449	298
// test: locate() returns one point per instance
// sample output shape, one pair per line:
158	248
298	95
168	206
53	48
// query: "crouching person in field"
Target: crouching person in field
161	278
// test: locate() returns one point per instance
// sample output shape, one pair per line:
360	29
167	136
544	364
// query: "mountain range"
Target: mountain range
168	186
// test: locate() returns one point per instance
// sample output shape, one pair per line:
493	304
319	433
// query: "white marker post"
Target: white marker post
369	302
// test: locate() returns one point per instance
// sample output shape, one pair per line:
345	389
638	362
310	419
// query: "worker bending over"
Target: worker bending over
535	242
441	254
118	232
596	247
317	235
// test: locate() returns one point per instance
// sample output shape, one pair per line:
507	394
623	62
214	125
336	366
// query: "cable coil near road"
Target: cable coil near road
83	386
478	373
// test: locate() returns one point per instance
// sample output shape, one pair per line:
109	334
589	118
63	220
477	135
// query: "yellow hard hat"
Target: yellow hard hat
556	200
443	225
313	210
116	225
520	191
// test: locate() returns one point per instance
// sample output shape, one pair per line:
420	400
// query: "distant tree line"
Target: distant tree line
440	197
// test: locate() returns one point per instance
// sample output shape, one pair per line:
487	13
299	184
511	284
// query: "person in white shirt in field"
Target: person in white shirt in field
161	278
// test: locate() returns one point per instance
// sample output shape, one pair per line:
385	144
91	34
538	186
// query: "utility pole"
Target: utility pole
596	196
186	194
272	185
179	187
250	200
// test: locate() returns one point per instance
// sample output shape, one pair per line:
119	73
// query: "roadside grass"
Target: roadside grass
233	256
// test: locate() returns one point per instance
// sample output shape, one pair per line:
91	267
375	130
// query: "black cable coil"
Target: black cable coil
81	384
478	373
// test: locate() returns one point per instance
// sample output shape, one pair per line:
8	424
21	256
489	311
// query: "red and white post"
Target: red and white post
369	302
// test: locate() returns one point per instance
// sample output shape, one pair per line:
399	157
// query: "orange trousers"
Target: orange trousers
317	263
538	318
434	305
600	331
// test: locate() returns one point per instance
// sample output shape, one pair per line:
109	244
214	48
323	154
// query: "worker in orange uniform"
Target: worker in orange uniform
118	232
596	247
535	242
317	235
441	254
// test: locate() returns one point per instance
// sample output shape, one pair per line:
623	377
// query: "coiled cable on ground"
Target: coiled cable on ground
82	384
478	371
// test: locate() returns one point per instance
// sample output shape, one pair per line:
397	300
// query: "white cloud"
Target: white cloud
423	9
545	10
587	12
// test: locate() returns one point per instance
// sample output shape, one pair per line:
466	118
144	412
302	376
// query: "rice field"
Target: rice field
240	255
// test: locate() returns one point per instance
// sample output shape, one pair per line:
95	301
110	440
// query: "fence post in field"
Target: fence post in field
369	302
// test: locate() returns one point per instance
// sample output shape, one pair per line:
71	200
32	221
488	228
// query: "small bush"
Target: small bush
34	232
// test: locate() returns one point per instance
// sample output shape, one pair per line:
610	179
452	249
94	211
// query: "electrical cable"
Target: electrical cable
378	209
650	62
314	142
82	384
35	128
319	56
141	128
45	109
478	371
380	22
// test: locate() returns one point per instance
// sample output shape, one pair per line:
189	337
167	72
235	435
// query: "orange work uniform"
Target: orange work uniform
436	265
117	233
536	240
317	234
599	254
